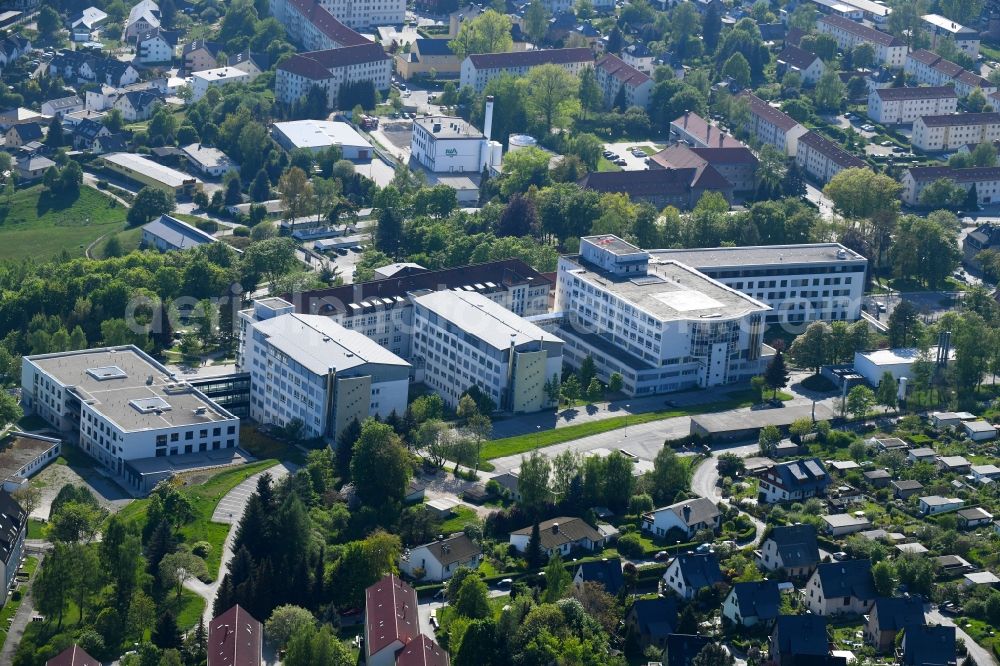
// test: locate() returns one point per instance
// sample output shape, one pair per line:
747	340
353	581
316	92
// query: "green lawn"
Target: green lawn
205	497
36	528
129	239
510	446
189	608
41	224
463	515
605	165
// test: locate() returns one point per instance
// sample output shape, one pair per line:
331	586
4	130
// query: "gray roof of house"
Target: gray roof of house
569	530
895	613
801	635
699	569
656	617
760	599
178	233
796	544
852	578
456	548
606	572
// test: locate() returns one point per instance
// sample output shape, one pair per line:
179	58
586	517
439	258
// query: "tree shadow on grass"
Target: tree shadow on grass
54	201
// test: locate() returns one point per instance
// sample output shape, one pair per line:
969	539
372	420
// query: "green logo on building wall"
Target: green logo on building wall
451	152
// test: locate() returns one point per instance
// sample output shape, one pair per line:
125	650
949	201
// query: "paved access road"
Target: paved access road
979	654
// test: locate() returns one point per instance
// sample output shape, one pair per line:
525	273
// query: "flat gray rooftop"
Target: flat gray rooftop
449	127
18	450
123	384
722	423
759	255
671	291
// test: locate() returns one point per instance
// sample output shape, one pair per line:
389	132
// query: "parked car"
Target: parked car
840	556
621	162
868	128
505	583
608	154
661	556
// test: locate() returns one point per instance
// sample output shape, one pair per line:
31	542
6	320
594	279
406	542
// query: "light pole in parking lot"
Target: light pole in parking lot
627	407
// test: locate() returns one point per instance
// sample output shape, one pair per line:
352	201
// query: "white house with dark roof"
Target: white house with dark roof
440	559
689	517
790	547
889	50
793	481
167	233
156	46
616	77
752	603
986	180
822	159
689	572
772	126
62	106
902	106
137	105
559	535
952	131
840	588
807	64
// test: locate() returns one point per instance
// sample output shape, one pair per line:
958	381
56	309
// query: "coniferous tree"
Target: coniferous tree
167	634
776	373
162	542
534	553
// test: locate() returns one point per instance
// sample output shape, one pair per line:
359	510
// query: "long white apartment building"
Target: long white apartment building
772	126
928	68
479	69
310	24
363	14
308	367
902	106
127	412
462	339
890	51
952	131
823	159
986	180
800	283
942	28
382	309
330	69
661	324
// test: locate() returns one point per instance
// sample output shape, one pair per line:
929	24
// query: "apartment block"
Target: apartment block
311	369
822	159
928	68
952	131
986	180
310	24
800	283
615	76
902	106
330	69
367	14
661	324
463	339
697	132
942	28
126	411
771	126
479	69
889	51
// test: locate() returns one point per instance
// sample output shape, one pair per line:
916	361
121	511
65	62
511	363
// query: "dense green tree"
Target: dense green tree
533	481
380	467
487	33
149	203
813	348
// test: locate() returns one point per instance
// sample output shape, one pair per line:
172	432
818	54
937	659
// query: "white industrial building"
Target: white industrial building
952	131
801	283
125	410
220	76
898	362
309	368
660	324
317	135
902	106
463	339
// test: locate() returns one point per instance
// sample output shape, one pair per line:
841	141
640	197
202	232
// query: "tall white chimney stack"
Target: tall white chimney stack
488	121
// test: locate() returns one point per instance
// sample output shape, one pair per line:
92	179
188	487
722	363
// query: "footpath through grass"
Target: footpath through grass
204	498
10	608
41	224
510	446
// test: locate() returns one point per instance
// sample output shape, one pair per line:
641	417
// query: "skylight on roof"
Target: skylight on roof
148	405
107	372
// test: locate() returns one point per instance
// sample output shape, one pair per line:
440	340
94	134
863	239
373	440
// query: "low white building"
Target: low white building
951	132
979	431
839	524
448	144
902	106
463	339
438	560
23	455
688	517
318	135
898	362
62	106
167	233
310	369
208	160
935	504
214	78
942	28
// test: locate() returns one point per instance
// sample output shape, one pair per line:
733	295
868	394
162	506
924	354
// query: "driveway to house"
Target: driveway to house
229	511
979	654
705	478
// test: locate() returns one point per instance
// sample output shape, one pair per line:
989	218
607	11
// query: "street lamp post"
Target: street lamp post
538	430
627	407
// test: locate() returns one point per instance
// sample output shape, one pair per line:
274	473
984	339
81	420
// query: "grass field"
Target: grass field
41	224
463	516
129	239
604	165
204	497
509	446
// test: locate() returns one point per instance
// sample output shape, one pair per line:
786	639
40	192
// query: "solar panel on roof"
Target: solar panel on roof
797	472
816	470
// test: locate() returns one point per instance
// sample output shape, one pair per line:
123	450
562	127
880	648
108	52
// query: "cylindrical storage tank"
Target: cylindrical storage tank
518	141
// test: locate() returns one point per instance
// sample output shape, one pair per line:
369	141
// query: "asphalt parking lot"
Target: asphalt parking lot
623	150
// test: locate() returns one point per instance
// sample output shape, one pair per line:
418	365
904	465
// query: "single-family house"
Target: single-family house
980	578
200	55
156	46
752	603
90	18
235	637
793	481
438	560
955	464
807	64
18	135
559	535
137	105
979	431
905	488
921	454
607	572
839	524
929	645
837	588
798	639
792	548
689	517
32	167
934	504
208	160
973	517
62	106
889	616
683	648
650	621
109	143
689	572
167	233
